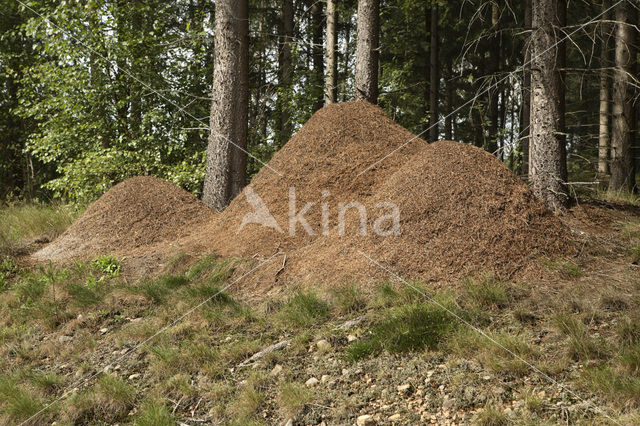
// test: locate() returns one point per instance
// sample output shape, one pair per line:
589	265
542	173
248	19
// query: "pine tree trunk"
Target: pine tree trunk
285	72
548	151
331	78
448	122
318	57
434	72
494	90
526	95
226	152
604	138
366	78
622	162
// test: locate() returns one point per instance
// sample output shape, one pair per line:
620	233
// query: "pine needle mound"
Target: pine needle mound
137	213
461	210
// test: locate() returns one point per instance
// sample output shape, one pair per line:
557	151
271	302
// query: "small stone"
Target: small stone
365	420
404	388
448	403
134	376
311	382
325	378
323	345
345	372
486	377
351	338
394	418
103	330
276	370
65	339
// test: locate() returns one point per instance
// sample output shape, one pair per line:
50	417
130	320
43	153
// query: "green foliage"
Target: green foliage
487	292
23	222
407	328
107	264
303	309
154	413
581	345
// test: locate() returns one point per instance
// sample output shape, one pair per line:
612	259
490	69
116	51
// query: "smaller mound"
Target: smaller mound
138	212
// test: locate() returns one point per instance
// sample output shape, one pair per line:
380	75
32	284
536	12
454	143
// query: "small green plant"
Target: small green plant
348	298
304	309
106	264
581	345
630	358
621	388
7	268
487	291
293	397
407	328
47	381
154	413
566	268
114	396
628	330
492	416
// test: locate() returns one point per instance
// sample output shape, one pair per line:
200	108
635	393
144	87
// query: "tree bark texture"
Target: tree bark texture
331	75
226	152
622	162
548	151
367	53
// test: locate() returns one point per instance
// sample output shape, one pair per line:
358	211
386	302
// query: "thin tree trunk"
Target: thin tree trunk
285	72
366	79
347	58
427	70
526	95
434	85
318	57
448	122
331	78
622	162
226	153
604	137
494	90
548	153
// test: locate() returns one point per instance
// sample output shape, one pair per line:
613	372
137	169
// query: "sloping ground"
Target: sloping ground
133	215
460	210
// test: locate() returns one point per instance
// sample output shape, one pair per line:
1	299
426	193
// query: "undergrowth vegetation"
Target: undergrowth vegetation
484	336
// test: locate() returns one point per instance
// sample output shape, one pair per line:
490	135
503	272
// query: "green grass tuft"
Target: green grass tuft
406	328
154	413
487	291
304	309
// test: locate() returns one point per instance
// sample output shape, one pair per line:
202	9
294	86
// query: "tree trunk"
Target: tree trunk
494	89
347	57
366	78
622	162
526	95
318	57
604	139
331	78
448	122
434	85
548	153
226	152
285	72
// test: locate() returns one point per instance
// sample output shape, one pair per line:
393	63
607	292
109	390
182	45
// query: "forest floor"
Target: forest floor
85	344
